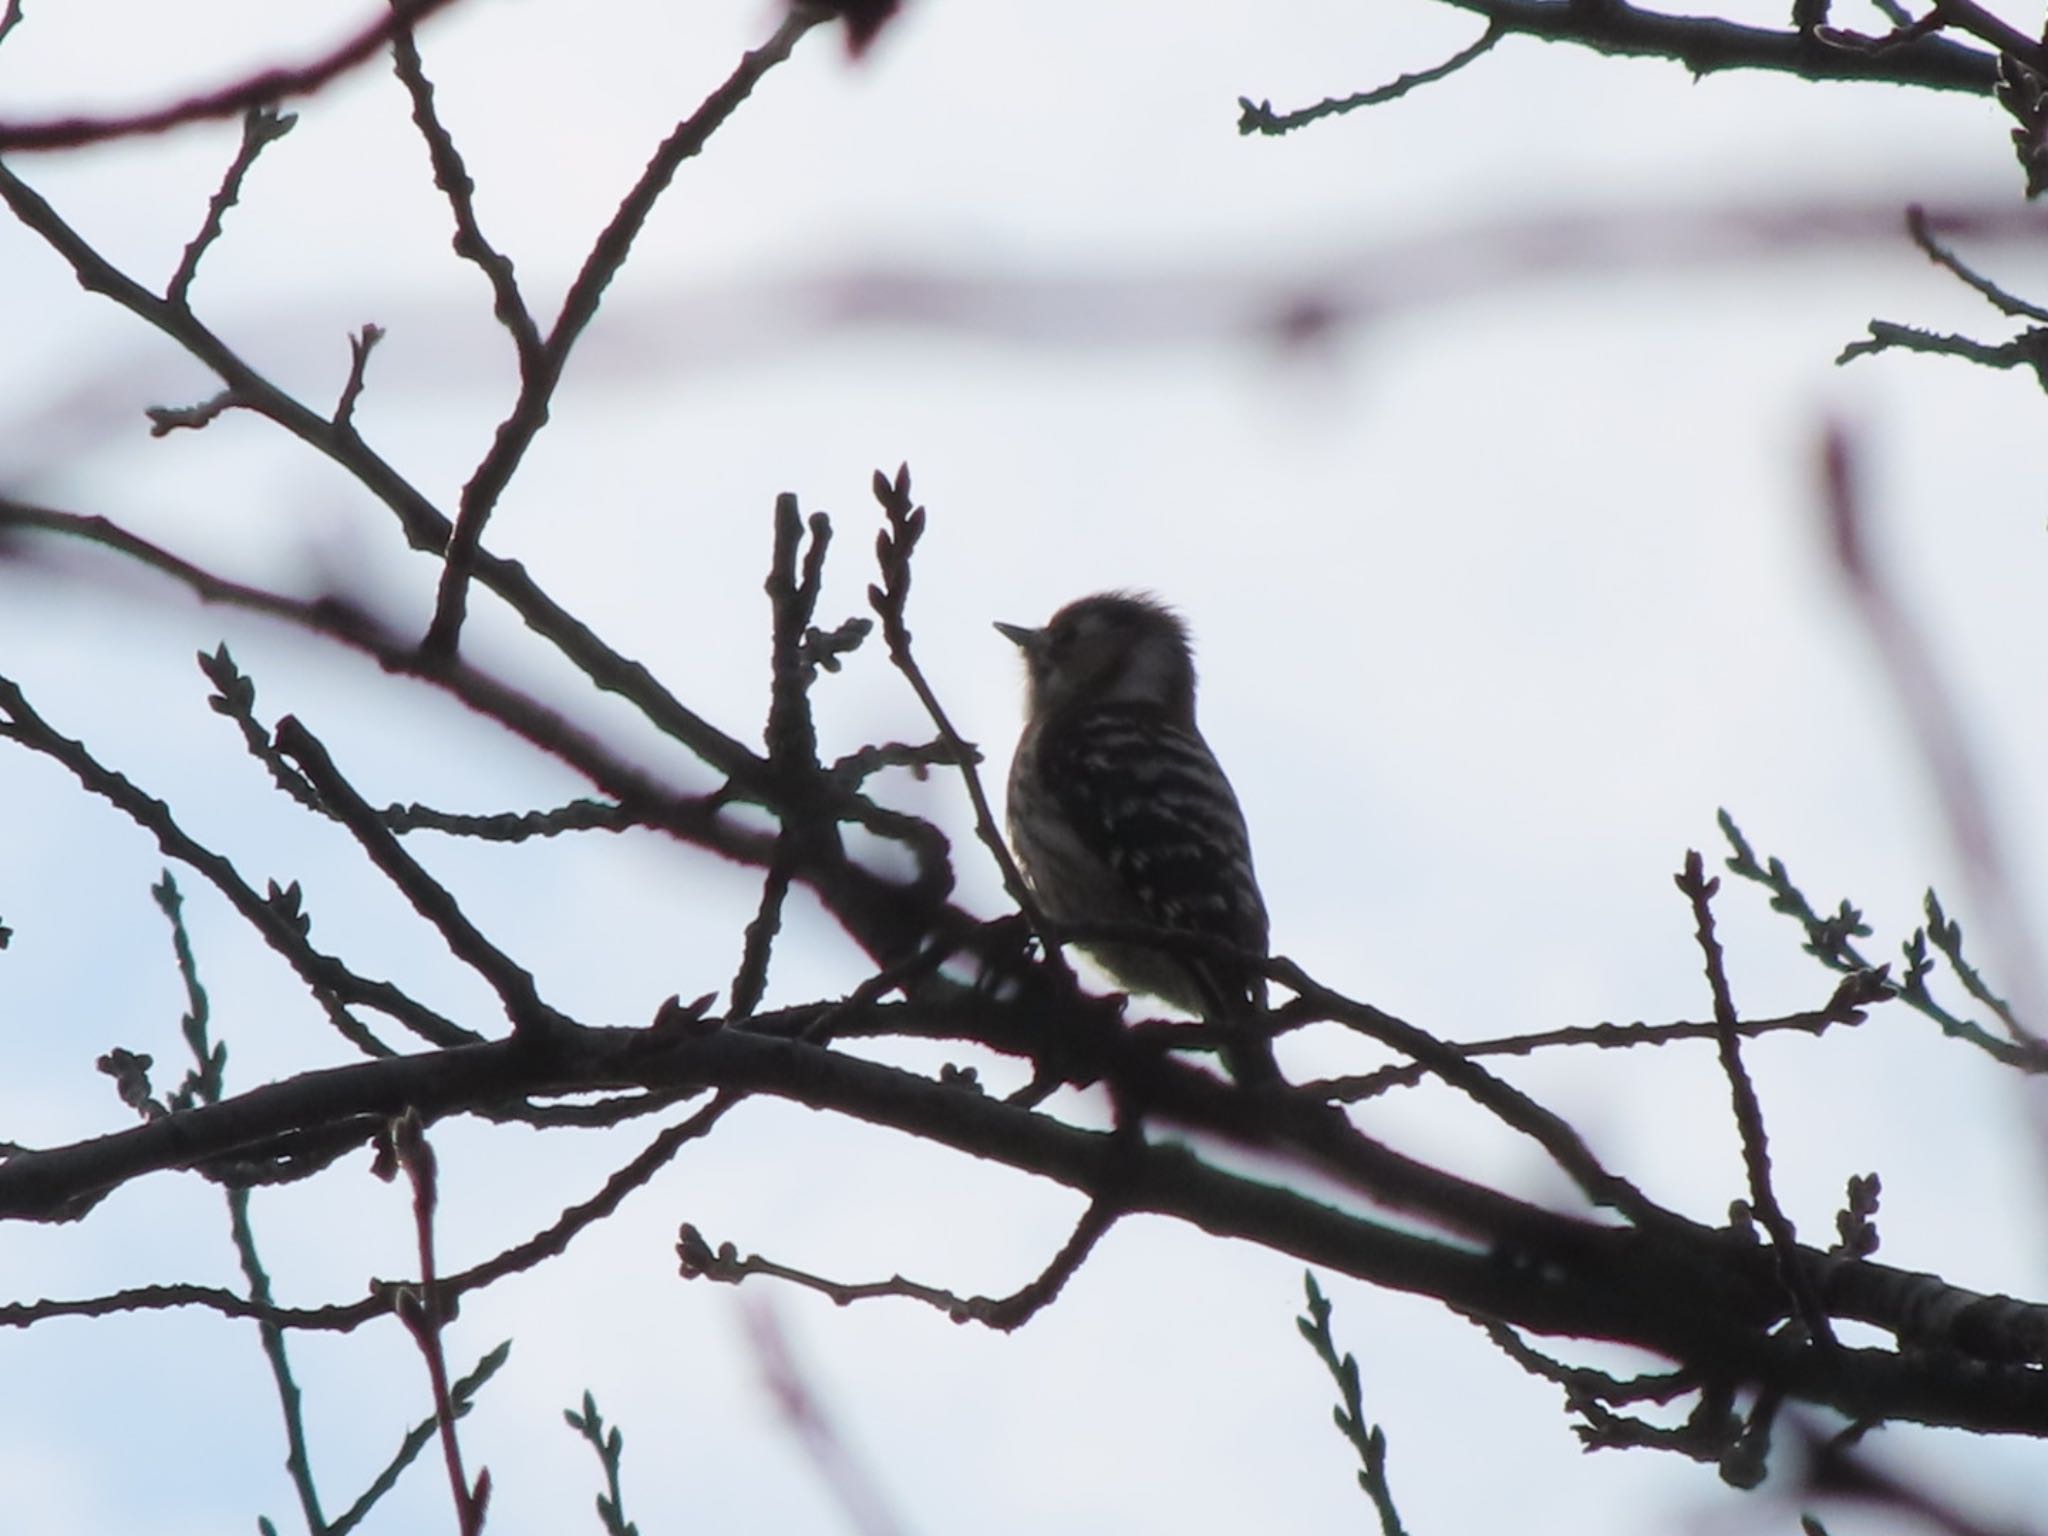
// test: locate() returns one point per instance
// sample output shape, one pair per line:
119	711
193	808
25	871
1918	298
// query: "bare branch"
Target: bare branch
261	126
452	177
541	373
360	345
532	1019
166	419
1261	118
257	90
275	917
1845	1009
1707	44
1749	1116
425	1311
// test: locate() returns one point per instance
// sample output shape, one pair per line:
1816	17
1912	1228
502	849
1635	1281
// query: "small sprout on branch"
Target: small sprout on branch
235	695
610	1446
698	1262
1947	936
286	902
855	768
688	1019
130	1072
893	548
1856	1222
824	647
793	591
360	345
1827	938
203	1082
166	419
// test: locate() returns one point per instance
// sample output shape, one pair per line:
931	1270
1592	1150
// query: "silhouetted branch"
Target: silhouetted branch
1845	1009
531	1018
1708	44
1004	1313
2029	349
1370	1441
261	126
1828	939
1699	890
257	90
425	1312
1261	118
541	369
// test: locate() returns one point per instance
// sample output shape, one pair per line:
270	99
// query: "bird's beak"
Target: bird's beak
1024	639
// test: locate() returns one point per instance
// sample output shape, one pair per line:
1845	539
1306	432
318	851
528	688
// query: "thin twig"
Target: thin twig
339	620
751	979
345	1317
1749	1116
423	524
1854	994
610	1448
261	126
542	368
893	549
424	1313
360	345
512	826
332	984
1829	940
461	1394
1369	1441
530	1016
204	1085
452	177
1261	118
166	419
2005	303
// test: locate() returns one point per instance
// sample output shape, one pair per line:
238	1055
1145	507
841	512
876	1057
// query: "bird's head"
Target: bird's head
1113	648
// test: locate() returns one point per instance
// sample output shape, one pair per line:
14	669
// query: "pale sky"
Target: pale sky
1497	600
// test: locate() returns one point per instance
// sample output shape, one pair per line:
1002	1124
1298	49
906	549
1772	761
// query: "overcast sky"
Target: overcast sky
1499	594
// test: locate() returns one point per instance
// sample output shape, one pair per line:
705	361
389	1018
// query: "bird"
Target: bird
1120	814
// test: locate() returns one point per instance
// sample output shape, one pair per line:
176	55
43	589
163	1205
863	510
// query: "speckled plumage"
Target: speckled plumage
1119	812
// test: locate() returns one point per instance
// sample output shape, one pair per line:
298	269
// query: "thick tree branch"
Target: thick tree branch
1685	1293
1706	44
